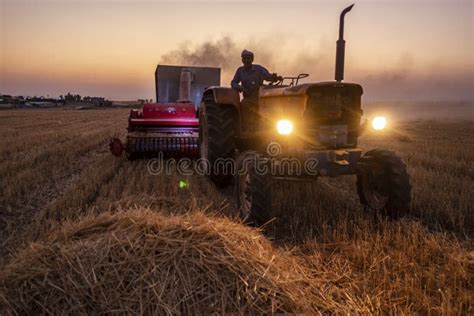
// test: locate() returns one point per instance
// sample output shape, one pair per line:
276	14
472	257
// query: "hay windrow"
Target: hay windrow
139	261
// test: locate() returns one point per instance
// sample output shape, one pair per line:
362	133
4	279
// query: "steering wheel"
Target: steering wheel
301	76
276	83
294	80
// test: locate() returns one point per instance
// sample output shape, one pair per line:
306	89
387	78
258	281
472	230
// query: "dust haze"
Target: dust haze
225	53
405	92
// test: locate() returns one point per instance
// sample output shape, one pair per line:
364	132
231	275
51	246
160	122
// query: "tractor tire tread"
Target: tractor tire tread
261	189
398	204
221	133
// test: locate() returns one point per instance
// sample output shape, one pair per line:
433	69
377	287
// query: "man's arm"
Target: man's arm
266	75
235	82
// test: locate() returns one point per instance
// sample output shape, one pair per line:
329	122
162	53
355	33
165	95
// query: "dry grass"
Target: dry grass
193	264
55	169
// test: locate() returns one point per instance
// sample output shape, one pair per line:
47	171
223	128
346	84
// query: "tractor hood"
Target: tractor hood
294	101
305	89
314	109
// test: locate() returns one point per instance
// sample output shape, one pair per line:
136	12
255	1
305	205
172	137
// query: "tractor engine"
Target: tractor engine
322	115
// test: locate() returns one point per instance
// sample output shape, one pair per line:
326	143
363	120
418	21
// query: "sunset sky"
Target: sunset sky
398	50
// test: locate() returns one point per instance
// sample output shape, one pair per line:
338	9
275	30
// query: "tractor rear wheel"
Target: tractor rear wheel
217	132
253	190
384	184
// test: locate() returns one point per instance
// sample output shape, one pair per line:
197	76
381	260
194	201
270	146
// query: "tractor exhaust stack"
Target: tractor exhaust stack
341	44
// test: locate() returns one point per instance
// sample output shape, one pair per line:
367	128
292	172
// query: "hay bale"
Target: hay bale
139	261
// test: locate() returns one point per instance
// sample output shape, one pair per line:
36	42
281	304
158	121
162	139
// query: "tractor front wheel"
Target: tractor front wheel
253	189
384	184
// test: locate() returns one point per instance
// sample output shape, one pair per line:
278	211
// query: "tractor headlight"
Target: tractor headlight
379	123
284	127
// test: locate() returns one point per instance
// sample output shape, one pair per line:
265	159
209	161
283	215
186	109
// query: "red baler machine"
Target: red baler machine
170	126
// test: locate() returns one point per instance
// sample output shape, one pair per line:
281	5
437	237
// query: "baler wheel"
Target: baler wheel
116	147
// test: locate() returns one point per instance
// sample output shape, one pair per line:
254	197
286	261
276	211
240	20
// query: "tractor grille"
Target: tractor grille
333	112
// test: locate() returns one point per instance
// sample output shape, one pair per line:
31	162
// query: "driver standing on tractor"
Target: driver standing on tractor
248	79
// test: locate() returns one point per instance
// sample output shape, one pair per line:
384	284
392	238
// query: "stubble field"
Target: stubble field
84	232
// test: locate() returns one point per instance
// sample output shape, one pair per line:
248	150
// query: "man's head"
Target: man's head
247	58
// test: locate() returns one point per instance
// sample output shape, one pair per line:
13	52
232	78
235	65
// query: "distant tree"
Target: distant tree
69	97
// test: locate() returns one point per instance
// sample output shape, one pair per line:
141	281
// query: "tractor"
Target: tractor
304	131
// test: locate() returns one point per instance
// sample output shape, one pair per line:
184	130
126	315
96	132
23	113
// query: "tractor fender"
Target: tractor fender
223	95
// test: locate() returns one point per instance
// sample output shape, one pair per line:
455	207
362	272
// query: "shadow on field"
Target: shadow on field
304	210
316	211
